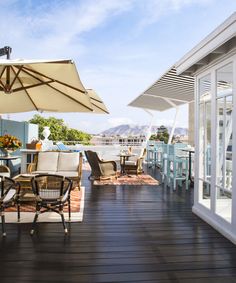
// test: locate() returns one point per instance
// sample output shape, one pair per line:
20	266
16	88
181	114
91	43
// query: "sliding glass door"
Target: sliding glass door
215	139
224	122
205	140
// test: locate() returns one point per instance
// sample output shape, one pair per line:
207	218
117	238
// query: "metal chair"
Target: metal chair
151	154
154	150
177	165
52	194
10	191
163	152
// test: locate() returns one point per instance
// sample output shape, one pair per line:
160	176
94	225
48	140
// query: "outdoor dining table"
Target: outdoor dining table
9	158
190	151
123	158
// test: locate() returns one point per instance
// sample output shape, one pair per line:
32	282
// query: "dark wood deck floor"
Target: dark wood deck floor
129	234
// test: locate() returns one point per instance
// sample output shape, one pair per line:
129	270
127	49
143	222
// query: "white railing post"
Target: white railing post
174	125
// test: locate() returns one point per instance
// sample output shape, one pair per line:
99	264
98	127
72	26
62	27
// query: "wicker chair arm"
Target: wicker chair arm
109	161
4	169
108	167
31	167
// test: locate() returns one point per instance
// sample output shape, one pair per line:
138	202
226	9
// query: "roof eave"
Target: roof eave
216	44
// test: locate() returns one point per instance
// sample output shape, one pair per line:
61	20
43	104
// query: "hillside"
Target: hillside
135	130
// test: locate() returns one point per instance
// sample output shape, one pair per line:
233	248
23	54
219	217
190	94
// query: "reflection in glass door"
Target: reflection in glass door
205	141
224	107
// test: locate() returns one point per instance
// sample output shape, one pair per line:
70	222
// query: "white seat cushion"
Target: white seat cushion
47	161
68	161
130	162
9	195
43	172
5	174
138	153
67	173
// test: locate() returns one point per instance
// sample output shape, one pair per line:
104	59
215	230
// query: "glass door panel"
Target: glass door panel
204	181
224	102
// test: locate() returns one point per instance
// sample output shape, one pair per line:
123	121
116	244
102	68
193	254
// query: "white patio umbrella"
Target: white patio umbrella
97	103
41	85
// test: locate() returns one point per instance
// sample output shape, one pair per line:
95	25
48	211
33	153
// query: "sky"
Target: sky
120	47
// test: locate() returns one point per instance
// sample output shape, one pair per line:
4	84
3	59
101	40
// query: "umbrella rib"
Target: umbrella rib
16	75
30	86
104	110
96	99
91	109
23	70
57	81
3	72
27	93
1	78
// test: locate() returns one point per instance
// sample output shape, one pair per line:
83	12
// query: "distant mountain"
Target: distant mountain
135	130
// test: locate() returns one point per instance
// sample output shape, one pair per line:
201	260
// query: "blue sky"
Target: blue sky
120	46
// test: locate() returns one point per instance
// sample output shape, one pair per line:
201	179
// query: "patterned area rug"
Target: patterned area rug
129	180
27	210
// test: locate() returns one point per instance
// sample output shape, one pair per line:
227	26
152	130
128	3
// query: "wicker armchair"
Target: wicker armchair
135	166
101	169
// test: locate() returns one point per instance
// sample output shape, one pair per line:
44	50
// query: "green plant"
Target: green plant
59	130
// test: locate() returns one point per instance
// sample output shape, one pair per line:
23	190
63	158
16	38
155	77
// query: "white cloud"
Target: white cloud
155	9
55	29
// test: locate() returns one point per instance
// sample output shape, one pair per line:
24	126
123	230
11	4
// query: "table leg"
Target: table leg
122	165
189	166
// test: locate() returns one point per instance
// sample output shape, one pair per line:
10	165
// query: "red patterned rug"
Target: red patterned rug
27	210
129	180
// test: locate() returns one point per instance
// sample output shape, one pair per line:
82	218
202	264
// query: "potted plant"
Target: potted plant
9	143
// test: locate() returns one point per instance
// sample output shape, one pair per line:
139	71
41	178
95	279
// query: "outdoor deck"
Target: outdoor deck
129	234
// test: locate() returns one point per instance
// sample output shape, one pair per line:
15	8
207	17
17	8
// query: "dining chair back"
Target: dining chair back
52	193
177	165
10	191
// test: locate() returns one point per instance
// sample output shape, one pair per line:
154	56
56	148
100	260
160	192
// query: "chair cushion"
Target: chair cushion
130	162
5	174
8	197
138	152
49	194
43	172
68	161
47	161
67	173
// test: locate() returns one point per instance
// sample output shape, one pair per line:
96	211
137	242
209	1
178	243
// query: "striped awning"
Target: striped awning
169	91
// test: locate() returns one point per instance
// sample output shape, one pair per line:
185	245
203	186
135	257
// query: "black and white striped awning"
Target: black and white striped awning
169	91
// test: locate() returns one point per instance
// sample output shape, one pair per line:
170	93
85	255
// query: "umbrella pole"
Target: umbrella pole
6	51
